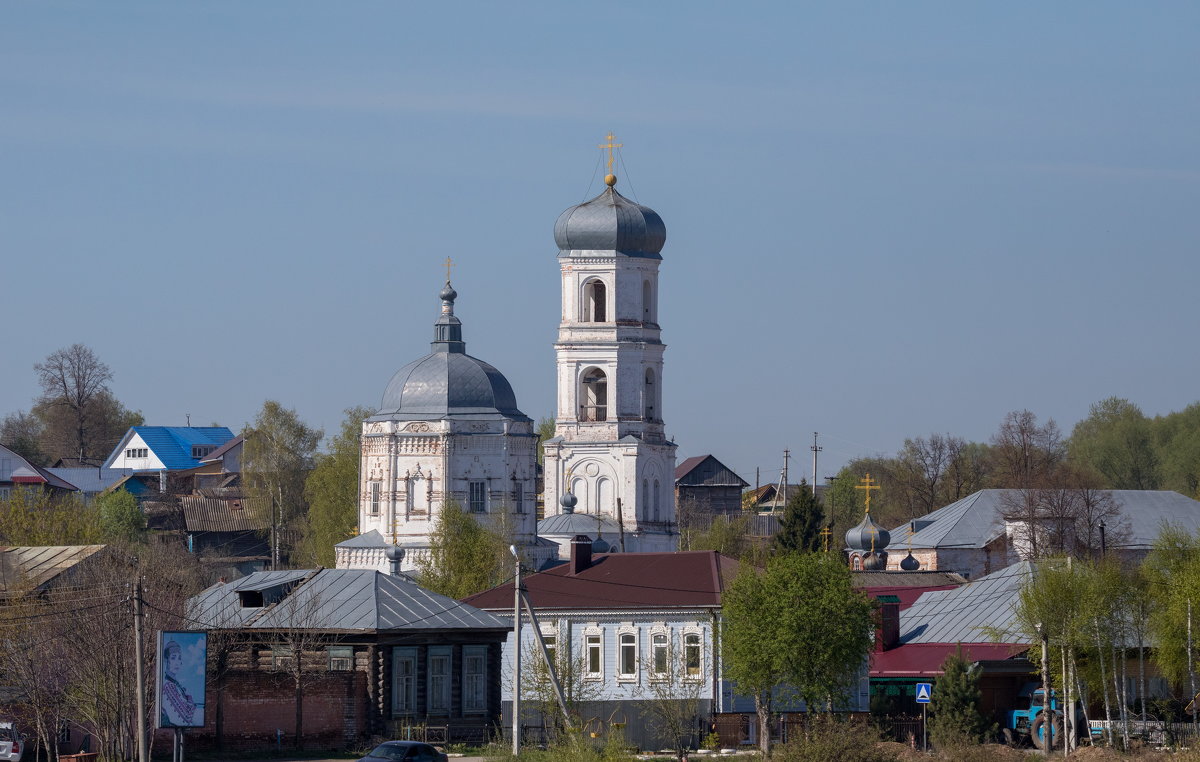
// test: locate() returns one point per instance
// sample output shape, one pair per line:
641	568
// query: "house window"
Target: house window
439	679
594	656
474	689
5	493
374	498
135	453
659	665
691	655
518	497
341	658
551	641
404	680
627	655
200	451
282	658
478	497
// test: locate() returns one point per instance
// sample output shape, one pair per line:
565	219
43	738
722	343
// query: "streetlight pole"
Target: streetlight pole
516	702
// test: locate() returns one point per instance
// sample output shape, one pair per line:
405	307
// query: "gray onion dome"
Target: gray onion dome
908	563
874	562
611	222
568	501
859	538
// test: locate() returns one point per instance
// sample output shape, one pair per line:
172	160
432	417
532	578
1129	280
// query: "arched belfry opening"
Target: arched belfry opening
595	302
593	402
647	306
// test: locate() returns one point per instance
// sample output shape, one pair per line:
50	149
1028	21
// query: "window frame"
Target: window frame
632	660
434	697
593	643
477	503
474	684
375	495
660	646
404	700
699	646
345	653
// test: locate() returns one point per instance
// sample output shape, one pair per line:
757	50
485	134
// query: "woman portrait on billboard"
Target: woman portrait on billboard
177	707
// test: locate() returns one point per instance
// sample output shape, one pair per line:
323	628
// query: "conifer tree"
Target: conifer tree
800	526
955	719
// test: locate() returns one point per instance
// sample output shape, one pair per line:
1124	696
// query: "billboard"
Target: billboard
179	696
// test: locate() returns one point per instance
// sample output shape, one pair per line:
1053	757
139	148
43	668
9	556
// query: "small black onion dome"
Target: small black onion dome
875	562
448	294
908	563
859	538
611	222
568	501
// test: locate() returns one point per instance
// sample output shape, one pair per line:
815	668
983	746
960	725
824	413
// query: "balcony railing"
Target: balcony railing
593	412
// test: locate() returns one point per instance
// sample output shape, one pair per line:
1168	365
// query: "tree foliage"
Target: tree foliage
276	459
1116	439
797	623
332	490
956	718
31	516
464	557
801	523
121	518
545	430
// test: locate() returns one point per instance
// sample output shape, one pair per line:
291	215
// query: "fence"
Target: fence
1152	732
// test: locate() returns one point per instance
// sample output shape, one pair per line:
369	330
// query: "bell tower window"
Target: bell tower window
594	399
595	302
648	395
647	312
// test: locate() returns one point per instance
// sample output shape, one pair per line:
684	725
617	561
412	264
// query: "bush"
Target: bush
832	738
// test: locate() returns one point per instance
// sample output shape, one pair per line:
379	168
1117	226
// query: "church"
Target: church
448	428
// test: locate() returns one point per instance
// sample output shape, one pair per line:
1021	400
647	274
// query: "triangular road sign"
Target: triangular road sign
923	692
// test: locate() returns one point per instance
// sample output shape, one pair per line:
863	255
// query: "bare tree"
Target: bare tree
671	696
74	382
1027	454
299	648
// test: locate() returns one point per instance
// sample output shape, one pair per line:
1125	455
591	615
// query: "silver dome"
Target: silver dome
868	536
611	222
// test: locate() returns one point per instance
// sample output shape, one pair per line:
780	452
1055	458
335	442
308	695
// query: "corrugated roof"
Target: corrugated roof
224	514
926	659
972	613
337	599
173	444
685	579
22	567
977	519
91	479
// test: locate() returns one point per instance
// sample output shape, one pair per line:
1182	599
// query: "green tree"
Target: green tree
1177	441
121	518
797	625
276	458
545	430
956	719
725	534
21	432
332	490
801	523
1172	569
1117	441
464	556
31	516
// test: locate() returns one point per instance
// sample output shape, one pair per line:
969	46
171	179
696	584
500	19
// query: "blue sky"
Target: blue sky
884	219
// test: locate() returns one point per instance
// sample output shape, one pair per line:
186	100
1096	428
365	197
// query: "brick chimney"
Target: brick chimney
581	553
887	635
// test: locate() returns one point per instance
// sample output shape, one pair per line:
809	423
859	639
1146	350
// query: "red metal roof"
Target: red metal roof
685	579
925	659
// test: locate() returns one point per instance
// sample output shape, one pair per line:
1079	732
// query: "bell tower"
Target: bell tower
610	448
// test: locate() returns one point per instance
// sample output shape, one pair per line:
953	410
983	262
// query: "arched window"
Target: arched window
647	307
578	489
593	401
645	500
648	395
657	500
595	302
604	496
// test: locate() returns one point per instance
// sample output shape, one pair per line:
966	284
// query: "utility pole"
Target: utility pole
139	671
516	702
621	522
1191	666
815	449
781	493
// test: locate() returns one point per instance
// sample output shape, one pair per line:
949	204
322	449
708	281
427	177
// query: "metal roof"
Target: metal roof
173	444
448	383
224	514
716	474
977	519
22	567
621	581
12	464
611	222
972	613
577	523
926	659
372	539
91	479
336	599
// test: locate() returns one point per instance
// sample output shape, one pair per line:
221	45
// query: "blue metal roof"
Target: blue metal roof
173	444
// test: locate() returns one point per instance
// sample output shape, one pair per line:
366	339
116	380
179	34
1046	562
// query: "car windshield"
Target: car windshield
389	751
7	734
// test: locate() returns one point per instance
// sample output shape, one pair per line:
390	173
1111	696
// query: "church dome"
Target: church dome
448	381
611	222
868	536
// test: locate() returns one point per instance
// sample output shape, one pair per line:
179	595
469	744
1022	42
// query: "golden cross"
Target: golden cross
825	533
873	532
610	145
867	485
449	264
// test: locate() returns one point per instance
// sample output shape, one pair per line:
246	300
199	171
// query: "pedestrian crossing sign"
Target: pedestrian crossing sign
924	691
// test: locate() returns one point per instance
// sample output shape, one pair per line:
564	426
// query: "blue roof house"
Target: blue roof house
166	448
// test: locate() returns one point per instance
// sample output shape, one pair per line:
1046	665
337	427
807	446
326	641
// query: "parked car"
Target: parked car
402	751
12	746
